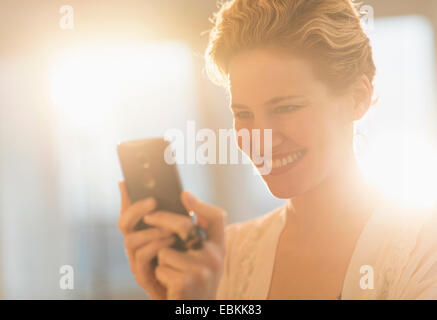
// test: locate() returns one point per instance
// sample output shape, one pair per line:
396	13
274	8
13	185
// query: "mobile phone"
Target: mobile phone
147	174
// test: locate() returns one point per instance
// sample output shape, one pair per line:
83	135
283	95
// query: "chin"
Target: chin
281	194
282	188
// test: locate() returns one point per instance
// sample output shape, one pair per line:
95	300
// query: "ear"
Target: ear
363	91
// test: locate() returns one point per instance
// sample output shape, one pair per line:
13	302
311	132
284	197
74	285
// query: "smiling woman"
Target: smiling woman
304	69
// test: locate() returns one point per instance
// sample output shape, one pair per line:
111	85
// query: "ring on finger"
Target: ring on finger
196	236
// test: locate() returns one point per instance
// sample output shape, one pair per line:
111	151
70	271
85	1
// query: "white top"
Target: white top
400	244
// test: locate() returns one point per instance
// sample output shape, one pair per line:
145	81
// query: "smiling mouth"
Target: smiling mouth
280	164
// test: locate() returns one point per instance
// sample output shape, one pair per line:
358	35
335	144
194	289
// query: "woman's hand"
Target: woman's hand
143	245
192	274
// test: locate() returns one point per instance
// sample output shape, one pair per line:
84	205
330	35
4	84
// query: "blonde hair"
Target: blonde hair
329	32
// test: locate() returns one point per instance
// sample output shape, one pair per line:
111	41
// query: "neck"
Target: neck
344	196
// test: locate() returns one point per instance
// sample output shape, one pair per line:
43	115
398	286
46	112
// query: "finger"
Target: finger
144	255
172	279
178	223
177	260
135	213
188	261
130	257
136	240
125	201
214	216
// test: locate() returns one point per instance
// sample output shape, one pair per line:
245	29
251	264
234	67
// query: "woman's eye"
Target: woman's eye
243	115
285	109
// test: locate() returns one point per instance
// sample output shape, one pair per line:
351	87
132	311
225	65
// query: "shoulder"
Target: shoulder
243	236
241	232
243	241
421	269
408	257
398	221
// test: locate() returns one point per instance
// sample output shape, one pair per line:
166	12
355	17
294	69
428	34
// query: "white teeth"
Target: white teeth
277	164
284	161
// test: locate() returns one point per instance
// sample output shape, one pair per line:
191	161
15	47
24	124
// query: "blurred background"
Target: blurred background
132	69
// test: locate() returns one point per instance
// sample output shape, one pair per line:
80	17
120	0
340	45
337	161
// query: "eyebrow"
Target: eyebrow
269	102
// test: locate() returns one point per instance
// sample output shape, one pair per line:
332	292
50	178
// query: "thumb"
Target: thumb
214	217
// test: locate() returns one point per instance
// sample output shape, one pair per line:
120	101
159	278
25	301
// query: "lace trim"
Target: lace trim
247	255
399	253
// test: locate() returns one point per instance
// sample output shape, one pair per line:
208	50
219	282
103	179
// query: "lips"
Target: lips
283	162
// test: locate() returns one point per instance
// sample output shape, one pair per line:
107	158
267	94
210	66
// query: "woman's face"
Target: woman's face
272	89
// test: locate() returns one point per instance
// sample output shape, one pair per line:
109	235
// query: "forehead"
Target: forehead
264	73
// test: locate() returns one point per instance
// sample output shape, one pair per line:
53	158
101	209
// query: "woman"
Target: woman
304	69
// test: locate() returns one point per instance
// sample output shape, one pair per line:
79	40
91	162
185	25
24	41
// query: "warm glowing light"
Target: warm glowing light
401	156
404	168
87	83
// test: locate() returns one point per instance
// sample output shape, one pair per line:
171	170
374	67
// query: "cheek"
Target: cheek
331	137
239	139
302	128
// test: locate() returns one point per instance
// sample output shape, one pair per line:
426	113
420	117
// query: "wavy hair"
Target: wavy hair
329	32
